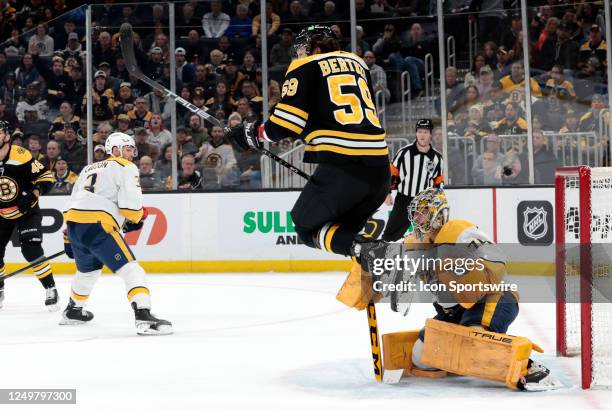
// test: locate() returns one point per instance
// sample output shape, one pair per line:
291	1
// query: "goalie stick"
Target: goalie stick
127	49
35	262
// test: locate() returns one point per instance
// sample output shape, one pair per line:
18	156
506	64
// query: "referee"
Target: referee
415	167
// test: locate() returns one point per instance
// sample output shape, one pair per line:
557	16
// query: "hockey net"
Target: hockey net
583	222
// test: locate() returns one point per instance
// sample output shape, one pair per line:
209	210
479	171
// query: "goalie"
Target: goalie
467	336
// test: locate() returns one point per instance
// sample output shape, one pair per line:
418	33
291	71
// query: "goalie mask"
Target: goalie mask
429	210
305	38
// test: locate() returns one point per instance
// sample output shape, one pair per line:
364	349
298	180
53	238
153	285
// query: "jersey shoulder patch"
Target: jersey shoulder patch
18	156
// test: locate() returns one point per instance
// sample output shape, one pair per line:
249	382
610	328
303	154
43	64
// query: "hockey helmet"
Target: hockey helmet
119	140
6	127
424	123
307	35
429	210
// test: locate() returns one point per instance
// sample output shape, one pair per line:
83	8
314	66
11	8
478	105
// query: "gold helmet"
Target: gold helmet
429	210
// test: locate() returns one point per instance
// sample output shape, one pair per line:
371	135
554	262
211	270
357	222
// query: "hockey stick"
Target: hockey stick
127	49
129	56
35	262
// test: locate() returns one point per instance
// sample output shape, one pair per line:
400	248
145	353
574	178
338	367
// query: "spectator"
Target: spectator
154	67
158	135
144	147
251	93
558	86
127	16
240	24
560	50
64	177
510	34
33	103
516	80
149	179
386	45
103	99
476	126
483	169
140	116
99	153
41	43
184	143
158	103
590	120
217	151
66	117
72	150
361	42
486	87
58	82
102	50
26	73
103	130
490	18
280	55
186	20
233	76
196	52
454	91
123	124
549	32
379	76
225	46
249	66
550	111
216	22
190	178
502	67
215	70
10	94
295	19
198	98
411	57
198	133
125	102
512	169
588	81
161	42
221	100
594	47
512	123
53	152
571	124
274	93
8	116
35	147
244	108
79	87
329	13
61	37
490	53
163	166
73	48
473	77
544	161
273	21
185	72
111	82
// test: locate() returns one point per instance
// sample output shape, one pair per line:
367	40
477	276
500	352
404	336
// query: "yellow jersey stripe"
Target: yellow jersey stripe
91	217
489	310
286	124
293	110
330	234
343	134
346	151
132	215
137	290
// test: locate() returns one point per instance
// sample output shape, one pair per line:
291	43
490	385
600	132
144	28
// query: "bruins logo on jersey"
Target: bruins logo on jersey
8	189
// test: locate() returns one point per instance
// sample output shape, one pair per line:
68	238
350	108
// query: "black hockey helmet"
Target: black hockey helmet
308	34
425	123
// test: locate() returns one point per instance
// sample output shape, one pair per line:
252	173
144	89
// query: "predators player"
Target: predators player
468	334
327	102
22	180
105	197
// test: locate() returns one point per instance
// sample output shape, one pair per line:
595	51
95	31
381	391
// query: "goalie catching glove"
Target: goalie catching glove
247	135
129	226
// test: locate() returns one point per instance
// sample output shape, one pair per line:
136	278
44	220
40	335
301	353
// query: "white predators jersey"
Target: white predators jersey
107	192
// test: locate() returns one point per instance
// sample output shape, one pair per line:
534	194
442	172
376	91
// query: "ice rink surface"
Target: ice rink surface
245	341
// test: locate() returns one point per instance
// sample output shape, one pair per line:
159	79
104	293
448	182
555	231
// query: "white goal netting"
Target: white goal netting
589	322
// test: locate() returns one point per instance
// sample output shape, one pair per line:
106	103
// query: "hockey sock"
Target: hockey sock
133	276
44	274
82	285
335	238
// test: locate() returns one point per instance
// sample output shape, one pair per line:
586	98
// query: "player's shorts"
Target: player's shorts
494	313
95	245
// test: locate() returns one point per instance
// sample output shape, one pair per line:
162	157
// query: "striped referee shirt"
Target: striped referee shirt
416	170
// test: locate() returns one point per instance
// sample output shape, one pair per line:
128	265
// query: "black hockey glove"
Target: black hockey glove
26	201
129	226
450	314
246	136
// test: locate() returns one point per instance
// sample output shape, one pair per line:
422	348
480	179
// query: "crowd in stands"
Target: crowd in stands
218	67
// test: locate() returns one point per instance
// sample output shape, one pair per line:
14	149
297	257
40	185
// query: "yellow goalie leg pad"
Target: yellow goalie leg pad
397	354
356	291
475	352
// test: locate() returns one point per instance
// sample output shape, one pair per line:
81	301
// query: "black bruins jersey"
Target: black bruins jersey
20	172
327	101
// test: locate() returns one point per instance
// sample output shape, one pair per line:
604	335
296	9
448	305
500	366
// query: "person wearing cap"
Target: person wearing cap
73	47
240	24
415	167
215	22
123	124
154	67
185	72
143	147
103	98
111	81
59	84
502	68
280	54
99	153
361	43
32	102
64	177
595	46
66	117
125	102
590	120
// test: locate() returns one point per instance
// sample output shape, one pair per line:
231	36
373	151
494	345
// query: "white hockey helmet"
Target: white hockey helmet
119	140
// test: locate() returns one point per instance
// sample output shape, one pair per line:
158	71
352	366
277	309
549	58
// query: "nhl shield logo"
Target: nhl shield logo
535	225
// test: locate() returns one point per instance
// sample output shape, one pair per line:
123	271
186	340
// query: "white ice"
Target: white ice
245	341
